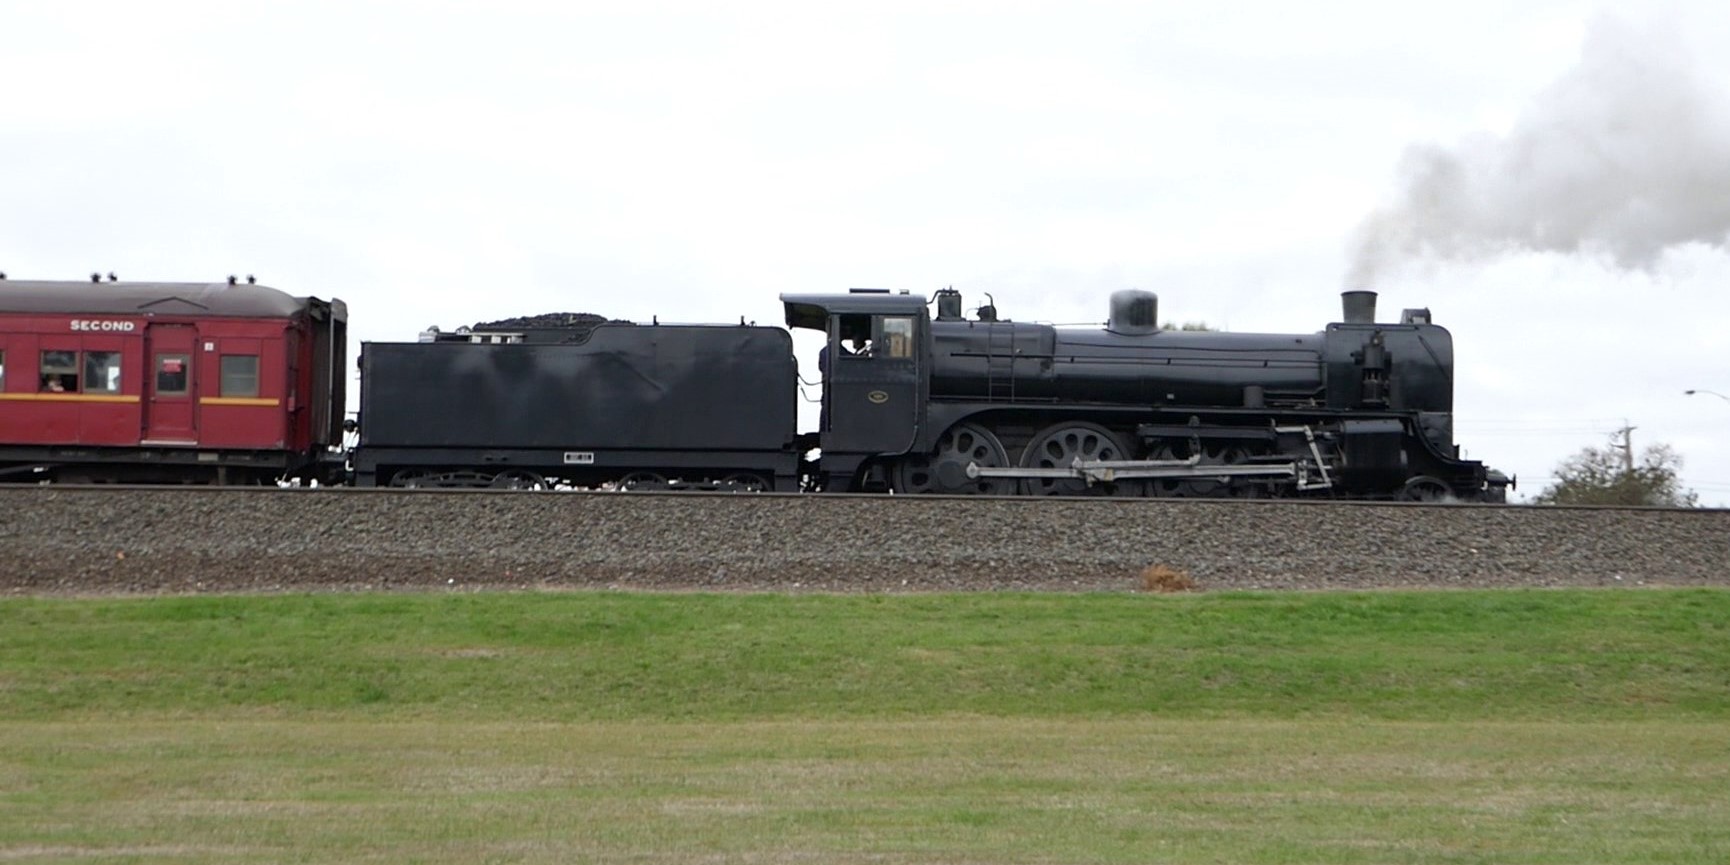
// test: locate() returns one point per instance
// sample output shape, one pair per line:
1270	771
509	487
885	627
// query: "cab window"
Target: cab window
239	375
59	372
102	372
897	336
855	334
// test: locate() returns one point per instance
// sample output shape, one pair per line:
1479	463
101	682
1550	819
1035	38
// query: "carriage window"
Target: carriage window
102	372
2	370
171	373
897	336
240	375
60	372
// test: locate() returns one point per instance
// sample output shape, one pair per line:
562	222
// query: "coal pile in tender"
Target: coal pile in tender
549	321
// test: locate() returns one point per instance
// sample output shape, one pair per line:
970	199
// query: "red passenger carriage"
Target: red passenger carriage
169	382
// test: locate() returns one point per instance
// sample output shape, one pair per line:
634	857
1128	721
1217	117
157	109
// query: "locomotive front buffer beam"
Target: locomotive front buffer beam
1305	474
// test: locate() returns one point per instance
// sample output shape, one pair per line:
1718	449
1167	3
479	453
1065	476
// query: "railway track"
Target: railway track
57	540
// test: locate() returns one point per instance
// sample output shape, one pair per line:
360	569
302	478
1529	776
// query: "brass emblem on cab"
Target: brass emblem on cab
878	396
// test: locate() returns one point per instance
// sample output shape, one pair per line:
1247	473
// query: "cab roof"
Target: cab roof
813	310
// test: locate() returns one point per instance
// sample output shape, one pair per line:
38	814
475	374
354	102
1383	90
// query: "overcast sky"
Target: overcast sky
1546	177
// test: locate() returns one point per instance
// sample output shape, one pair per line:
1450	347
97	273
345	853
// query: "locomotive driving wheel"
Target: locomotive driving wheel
946	470
1212	454
1060	446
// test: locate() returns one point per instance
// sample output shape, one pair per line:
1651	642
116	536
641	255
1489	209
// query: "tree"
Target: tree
1610	476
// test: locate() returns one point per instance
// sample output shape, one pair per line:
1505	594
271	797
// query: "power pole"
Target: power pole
1626	433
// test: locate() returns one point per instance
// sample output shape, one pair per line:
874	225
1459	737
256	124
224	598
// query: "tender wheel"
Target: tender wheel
518	479
1061	445
946	470
411	479
744	482
641	481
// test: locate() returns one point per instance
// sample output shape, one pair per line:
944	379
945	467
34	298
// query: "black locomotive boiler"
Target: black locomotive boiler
913	403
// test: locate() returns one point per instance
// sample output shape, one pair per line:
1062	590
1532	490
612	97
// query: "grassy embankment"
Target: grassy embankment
1540	726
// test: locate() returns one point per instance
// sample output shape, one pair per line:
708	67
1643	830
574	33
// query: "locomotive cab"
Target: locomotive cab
873	363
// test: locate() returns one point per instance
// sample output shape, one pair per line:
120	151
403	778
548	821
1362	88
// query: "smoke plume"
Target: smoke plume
1625	156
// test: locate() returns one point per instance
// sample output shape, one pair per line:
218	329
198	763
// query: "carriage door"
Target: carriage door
170	387
874	397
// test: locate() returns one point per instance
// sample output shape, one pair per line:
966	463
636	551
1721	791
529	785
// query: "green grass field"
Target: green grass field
1513	726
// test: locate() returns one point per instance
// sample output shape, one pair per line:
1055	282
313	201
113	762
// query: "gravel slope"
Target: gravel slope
56	541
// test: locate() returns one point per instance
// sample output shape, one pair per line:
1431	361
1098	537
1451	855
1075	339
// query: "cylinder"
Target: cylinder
1358	306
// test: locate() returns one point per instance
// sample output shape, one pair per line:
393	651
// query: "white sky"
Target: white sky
443	163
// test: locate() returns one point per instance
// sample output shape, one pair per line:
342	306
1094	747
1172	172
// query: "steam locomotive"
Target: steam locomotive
916	404
174	382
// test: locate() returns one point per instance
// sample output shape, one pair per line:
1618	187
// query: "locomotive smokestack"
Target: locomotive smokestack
1134	312
1359	306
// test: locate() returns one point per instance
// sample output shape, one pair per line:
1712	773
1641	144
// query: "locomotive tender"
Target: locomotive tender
916	404
649	407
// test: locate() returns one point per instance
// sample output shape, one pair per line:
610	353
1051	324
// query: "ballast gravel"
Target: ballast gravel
132	541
